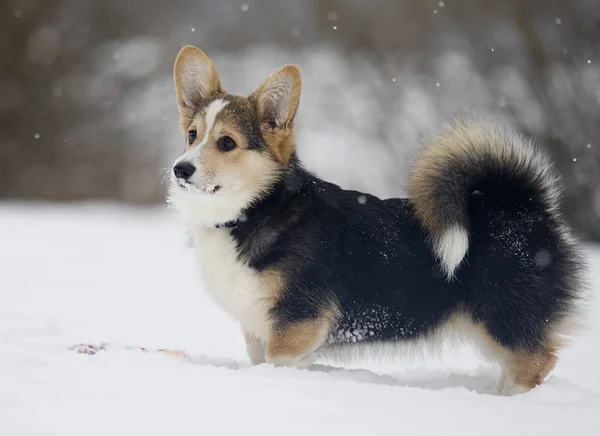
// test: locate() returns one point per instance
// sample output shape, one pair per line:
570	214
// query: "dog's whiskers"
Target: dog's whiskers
165	175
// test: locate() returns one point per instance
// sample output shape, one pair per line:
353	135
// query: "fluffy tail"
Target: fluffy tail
460	161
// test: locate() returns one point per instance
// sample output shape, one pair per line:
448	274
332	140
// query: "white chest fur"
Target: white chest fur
231	283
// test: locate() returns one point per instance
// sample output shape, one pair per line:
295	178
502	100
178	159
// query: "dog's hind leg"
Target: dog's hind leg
522	369
526	369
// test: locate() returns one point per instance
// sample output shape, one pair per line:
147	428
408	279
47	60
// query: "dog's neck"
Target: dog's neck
271	203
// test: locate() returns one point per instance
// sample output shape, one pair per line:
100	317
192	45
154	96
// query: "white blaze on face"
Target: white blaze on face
210	116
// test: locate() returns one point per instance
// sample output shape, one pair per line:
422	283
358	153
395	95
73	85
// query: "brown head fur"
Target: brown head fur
271	108
261	126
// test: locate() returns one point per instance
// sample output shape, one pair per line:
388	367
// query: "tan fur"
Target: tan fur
273	282
276	102
293	344
239	167
478	140
462	140
269	288
523	369
532	368
281	142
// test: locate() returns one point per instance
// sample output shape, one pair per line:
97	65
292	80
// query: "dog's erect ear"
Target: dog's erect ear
196	78
278	97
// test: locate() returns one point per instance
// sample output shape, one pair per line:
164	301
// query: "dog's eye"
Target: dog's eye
192	136
226	143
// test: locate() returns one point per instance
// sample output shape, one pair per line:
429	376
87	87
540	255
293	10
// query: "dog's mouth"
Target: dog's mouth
190	187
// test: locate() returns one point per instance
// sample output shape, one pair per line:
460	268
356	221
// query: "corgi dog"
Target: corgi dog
478	250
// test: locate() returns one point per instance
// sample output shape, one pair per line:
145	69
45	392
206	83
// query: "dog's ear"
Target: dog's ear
278	97
195	76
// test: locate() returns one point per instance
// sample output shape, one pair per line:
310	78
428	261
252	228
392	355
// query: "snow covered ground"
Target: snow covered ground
104	273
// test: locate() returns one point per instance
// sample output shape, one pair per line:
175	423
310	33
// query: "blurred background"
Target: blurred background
88	111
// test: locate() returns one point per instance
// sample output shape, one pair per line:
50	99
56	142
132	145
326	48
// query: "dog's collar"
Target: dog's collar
232	224
228	224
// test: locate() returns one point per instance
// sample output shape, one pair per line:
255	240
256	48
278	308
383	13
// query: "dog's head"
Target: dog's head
236	148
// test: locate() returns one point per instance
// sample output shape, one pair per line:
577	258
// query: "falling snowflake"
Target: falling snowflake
245	7
543	258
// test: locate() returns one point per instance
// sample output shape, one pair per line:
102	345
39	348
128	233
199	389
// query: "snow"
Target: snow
104	273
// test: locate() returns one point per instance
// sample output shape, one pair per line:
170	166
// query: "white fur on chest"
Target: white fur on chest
231	283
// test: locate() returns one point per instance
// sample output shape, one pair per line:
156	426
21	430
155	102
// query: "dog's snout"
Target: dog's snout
184	170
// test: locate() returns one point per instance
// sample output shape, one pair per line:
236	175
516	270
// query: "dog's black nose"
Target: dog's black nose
184	170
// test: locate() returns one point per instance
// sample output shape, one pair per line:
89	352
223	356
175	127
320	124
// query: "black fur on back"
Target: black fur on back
373	258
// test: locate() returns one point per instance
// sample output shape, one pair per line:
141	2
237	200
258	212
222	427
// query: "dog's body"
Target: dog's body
479	248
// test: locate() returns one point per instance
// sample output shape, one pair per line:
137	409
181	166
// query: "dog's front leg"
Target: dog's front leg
293	344
255	349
